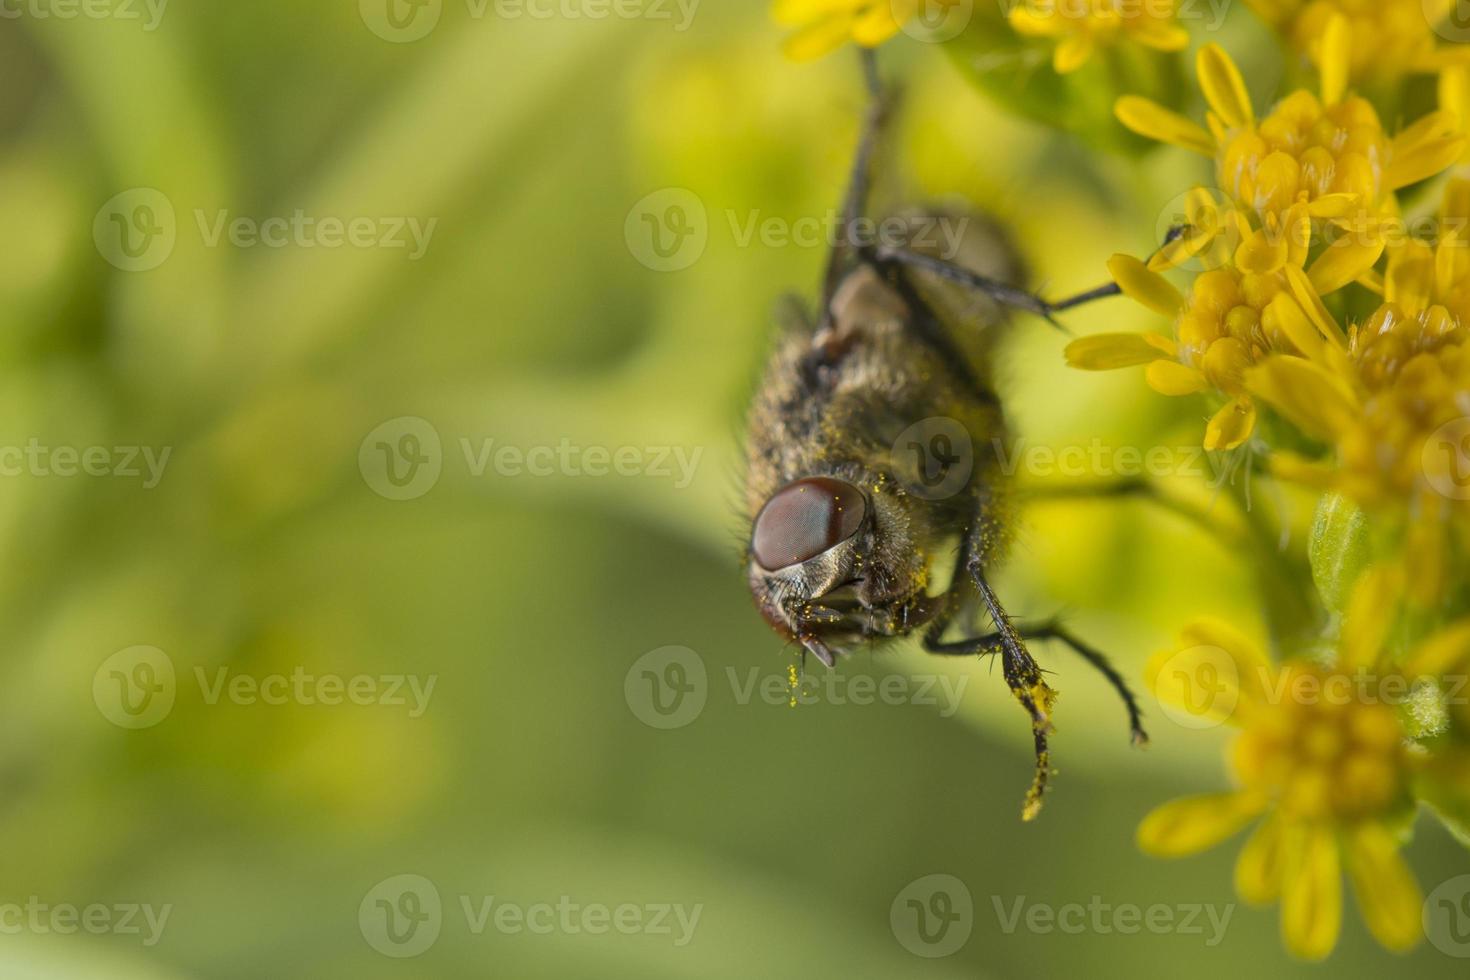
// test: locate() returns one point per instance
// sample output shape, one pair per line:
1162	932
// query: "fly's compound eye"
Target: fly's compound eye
804	519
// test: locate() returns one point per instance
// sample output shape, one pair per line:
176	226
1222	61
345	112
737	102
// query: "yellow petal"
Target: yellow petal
1311	303
1142	285
1259	867
1423	150
1410	280
1231	425
1388	896
1192	824
1344	261
818	39
1261	252
1370	614
875	25
1284	314
1445	651
1311	891
1173	378
1072	53
1295	469
1032	24
794	13
1332	205
1308	396
1425	541
1213	675
1223	87
1161	35
1109	351
1335	58
1147	118
1189	244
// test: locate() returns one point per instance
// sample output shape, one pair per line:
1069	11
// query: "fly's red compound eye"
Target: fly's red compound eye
804	519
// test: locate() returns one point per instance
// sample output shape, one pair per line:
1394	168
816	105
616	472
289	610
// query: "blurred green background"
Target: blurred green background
282	378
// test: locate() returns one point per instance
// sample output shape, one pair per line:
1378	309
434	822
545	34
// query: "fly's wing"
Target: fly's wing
975	241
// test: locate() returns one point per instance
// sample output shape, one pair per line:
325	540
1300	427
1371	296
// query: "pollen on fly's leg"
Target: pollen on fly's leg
1023	675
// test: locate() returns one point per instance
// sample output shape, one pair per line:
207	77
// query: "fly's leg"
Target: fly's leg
1003	293
1022	673
856	201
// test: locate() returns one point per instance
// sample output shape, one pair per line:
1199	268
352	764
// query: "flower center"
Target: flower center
1329	750
1304	151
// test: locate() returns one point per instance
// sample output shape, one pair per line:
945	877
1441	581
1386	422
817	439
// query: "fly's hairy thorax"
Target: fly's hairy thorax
839	401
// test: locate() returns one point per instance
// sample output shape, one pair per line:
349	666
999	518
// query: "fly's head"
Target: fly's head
833	561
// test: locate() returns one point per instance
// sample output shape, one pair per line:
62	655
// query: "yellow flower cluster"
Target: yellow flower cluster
1078	27
1322	759
1313	319
1304	219
1306	206
1389	38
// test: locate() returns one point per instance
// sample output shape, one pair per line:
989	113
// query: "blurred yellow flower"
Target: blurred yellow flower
1325	160
825	25
1322	755
1082	26
1388	39
1391	396
1232	321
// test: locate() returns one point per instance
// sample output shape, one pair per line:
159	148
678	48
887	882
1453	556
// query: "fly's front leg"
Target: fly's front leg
1005	293
1023	676
1022	672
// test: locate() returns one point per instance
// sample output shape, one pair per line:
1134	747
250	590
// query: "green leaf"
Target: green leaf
1338	549
1017	72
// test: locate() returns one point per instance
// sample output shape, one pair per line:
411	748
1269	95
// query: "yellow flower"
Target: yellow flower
1321	755
824	25
1391	397
1082	26
1388	39
1231	322
1325	160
